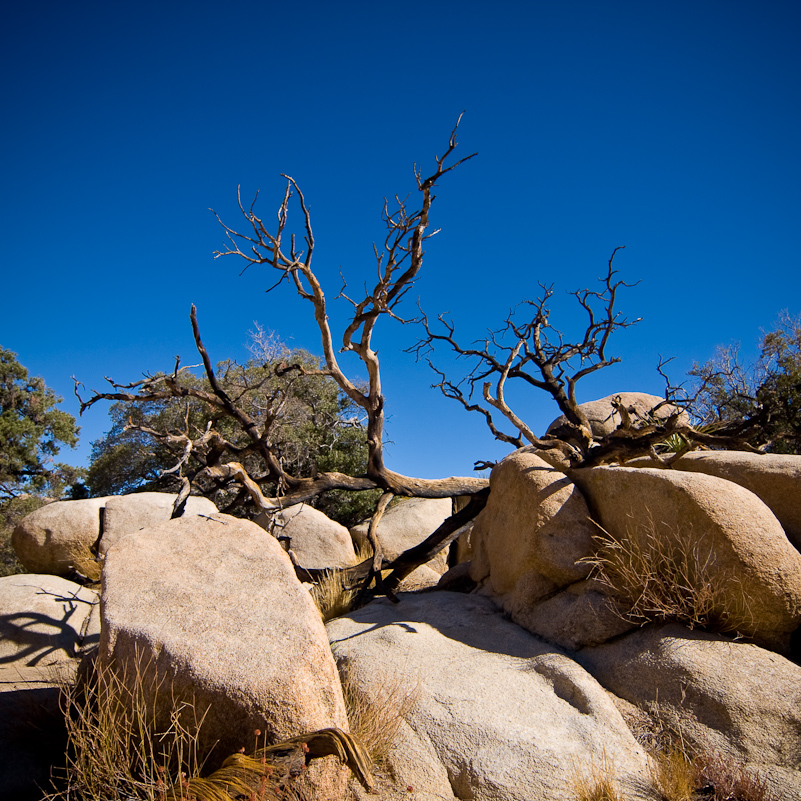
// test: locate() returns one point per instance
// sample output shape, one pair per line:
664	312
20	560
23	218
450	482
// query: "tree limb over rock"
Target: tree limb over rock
399	259
539	355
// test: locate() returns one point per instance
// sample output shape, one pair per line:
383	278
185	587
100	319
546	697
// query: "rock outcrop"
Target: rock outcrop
126	514
728	525
727	697
499	714
58	537
53	538
604	419
315	539
529	544
408	524
211	609
535	523
207	610
774	478
46	622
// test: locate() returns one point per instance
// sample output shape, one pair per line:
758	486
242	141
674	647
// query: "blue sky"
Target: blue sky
671	128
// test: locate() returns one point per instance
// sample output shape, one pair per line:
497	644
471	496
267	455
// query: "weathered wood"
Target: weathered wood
435	542
406	562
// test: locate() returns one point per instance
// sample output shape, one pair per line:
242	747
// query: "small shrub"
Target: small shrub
657	573
9	564
705	777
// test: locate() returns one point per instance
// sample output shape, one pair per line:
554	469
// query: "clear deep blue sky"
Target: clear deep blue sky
671	128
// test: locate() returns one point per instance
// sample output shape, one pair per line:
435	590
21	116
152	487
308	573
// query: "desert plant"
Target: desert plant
657	573
9	563
269	773
673	774
721	779
117	751
334	594
84	563
705	777
375	716
596	783
114	750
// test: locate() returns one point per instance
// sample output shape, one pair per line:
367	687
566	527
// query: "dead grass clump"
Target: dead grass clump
721	779
375	718
333	596
118	752
677	777
114	750
84	562
657	573
683	768
673	775
596	783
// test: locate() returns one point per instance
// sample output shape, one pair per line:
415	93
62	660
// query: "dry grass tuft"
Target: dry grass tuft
114	752
117	751
375	718
83	561
596	783
332	595
673	775
657	573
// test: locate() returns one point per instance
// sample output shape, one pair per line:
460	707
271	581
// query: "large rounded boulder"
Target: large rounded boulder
774	477
530	547
724	527
497	713
604	418
209	609
407	524
52	539
62	537
731	698
535	521
126	514
316	541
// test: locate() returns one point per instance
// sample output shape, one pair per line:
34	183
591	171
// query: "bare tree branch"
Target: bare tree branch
537	354
399	259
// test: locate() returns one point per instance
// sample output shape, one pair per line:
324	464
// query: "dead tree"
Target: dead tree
533	352
399	259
